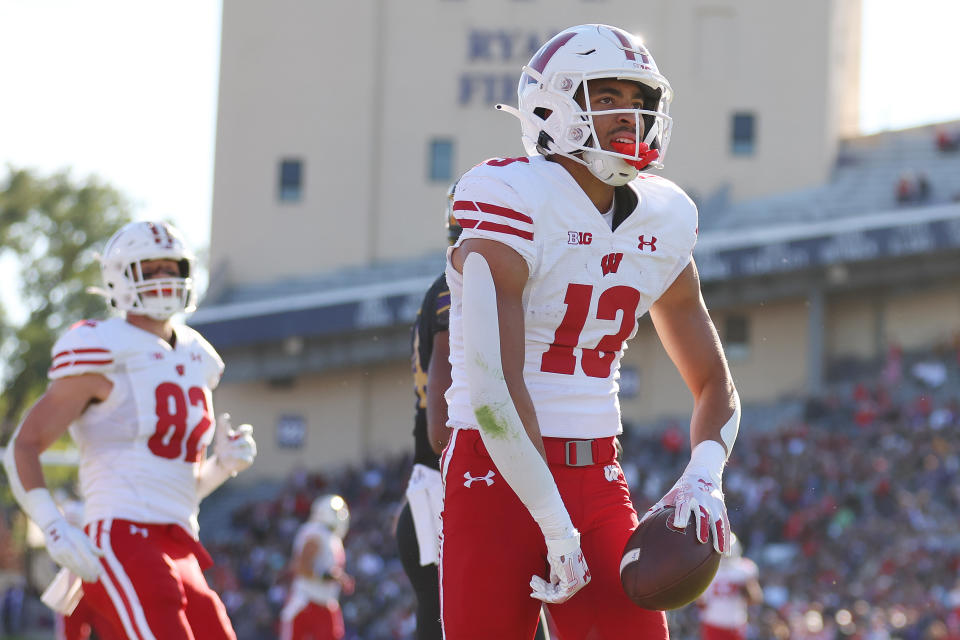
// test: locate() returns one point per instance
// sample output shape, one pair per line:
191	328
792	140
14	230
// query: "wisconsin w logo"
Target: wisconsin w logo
610	262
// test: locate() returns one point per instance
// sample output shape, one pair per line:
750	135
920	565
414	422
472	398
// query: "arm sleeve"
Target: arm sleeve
501	429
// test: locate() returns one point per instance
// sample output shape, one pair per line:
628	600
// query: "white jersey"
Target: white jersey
588	285
330	558
724	603
140	448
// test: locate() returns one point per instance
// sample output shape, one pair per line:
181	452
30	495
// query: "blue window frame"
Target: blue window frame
743	139
441	160
290	186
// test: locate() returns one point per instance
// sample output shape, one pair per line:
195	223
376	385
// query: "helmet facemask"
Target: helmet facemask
160	297
122	269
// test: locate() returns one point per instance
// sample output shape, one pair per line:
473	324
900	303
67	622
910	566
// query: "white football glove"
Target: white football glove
699	491
235	448
568	571
70	547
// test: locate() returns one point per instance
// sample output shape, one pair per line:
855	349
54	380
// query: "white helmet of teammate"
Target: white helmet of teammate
120	264
736	547
332	512
553	122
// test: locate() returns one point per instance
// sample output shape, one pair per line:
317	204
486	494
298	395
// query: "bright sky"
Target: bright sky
127	90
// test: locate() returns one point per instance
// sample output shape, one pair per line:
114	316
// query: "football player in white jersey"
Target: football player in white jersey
312	611
135	393
561	253
725	603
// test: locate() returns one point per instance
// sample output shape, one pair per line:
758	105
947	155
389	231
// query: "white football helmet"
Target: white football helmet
736	547
332	512
120	265
553	122
449	219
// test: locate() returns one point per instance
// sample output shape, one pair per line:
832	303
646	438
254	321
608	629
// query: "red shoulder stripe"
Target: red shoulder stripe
90	350
77	363
486	207
486	225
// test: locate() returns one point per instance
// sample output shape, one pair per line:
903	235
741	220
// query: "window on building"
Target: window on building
743	134
290	185
736	336
441	160
291	431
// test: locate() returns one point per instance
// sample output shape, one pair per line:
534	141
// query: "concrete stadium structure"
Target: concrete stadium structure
339	131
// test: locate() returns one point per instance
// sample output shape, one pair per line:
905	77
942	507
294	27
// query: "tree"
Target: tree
50	228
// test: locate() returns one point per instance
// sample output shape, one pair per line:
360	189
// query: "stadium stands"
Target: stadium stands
848	504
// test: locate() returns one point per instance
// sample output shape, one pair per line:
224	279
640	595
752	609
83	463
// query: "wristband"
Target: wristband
709	455
39	505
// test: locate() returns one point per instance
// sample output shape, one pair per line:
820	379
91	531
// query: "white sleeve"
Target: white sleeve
501	429
489	208
80	350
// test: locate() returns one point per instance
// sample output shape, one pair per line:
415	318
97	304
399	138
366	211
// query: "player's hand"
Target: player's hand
698	492
568	572
235	448
70	547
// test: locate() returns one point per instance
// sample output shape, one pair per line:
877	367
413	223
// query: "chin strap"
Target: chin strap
645	155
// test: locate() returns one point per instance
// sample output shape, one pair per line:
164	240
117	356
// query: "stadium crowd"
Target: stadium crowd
848	505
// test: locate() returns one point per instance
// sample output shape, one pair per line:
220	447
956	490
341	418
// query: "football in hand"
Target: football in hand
665	568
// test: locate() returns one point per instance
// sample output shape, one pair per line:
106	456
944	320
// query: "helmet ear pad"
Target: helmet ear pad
554	112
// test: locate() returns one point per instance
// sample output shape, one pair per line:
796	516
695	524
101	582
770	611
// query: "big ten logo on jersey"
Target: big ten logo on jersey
579	237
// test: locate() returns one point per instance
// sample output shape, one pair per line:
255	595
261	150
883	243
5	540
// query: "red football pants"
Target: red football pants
491	546
151	584
314	622
710	632
82	622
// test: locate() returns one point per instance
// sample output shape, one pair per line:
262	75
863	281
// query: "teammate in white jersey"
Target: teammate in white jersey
312	611
561	253
135	393
724	605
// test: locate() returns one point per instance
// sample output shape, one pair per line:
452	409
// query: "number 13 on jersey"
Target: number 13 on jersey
595	362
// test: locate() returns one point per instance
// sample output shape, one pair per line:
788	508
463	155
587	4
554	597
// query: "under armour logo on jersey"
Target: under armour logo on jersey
610	262
643	243
181	369
134	530
488	479
157	355
579	237
611	472
196	356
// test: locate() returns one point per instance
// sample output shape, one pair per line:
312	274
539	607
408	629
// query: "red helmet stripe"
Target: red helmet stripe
627	45
539	62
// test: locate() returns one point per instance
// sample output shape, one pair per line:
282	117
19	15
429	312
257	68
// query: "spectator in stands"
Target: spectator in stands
913	187
947	141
